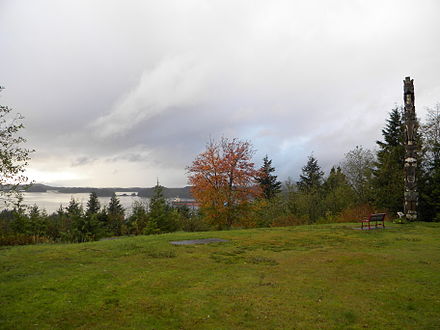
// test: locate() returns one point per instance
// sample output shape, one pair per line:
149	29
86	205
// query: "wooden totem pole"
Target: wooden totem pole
410	193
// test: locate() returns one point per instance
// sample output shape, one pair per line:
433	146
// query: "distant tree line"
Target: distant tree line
74	223
108	192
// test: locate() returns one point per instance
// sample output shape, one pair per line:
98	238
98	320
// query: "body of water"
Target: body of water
51	200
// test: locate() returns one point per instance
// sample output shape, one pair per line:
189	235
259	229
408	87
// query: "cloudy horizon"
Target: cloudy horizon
121	93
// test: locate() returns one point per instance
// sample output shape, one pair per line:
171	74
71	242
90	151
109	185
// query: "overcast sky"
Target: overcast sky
118	93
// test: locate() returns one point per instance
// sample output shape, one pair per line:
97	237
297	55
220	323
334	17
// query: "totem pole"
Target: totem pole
410	194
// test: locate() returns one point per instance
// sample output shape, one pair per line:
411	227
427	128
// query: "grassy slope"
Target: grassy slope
326	276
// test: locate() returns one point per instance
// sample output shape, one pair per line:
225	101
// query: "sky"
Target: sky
120	93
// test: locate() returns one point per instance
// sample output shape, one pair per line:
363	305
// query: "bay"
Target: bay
51	200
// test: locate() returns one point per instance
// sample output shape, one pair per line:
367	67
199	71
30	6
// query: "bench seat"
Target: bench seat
377	218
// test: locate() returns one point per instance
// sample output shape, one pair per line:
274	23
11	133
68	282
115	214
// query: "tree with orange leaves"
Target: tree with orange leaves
222	180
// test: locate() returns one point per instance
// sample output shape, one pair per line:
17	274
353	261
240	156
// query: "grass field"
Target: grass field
305	277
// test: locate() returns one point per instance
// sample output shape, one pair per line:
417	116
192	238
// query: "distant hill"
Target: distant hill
183	192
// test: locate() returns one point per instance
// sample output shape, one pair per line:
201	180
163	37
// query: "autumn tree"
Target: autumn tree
222	180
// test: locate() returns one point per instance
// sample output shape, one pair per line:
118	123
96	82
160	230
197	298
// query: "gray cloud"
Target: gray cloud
119	94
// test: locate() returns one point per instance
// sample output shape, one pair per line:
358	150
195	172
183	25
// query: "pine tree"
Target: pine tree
161	218
309	197
93	204
311	177
37	222
138	218
115	214
269	185
388	179
74	208
114	206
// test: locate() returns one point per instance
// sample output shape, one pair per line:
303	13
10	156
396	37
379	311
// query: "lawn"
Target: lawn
319	276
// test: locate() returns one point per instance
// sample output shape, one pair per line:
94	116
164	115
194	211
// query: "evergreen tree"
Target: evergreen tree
115	213
161	217
138	219
308	201
93	204
37	222
311	177
74	222
114	205
74	208
388	181
269	185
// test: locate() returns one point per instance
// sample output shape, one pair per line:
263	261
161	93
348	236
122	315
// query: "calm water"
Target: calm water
51	200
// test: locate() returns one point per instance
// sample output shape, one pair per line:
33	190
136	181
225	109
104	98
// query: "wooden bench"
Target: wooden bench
376	217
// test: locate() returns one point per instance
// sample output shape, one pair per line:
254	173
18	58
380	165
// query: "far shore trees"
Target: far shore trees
223	180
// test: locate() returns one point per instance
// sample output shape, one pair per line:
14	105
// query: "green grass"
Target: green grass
322	276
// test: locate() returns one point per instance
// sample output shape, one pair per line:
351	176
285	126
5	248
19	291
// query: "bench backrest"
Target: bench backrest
377	217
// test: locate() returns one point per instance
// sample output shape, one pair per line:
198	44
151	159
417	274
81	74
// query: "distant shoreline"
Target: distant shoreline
183	192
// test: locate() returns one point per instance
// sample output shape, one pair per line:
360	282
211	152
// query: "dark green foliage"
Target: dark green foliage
37	222
388	179
429	196
338	194
268	212
429	178
114	206
138	219
268	183
311	178
307	200
161	217
115	215
93	204
74	208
